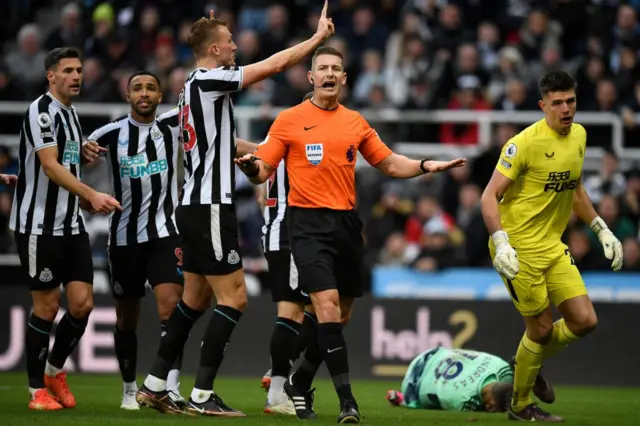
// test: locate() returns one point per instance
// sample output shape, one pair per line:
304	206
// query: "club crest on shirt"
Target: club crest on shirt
351	153
155	133
315	153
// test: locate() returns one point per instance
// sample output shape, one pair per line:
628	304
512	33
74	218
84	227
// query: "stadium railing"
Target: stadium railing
484	119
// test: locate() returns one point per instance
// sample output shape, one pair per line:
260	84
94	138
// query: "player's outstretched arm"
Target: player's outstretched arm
100	202
583	208
506	259
401	167
245	147
287	58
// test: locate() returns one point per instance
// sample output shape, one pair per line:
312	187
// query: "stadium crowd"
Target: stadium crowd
404	54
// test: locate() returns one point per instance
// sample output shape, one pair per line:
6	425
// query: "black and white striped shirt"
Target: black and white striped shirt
208	135
143	160
40	206
275	235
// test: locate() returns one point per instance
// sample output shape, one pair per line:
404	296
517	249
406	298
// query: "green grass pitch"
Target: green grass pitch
99	400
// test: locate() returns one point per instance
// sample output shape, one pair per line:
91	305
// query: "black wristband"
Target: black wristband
424	171
252	173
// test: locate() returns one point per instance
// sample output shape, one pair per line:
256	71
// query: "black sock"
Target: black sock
284	342
307	331
68	334
37	348
172	342
177	364
126	345
334	351
311	359
214	344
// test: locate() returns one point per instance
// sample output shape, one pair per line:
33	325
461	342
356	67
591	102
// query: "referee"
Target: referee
319	140
53	244
143	238
206	216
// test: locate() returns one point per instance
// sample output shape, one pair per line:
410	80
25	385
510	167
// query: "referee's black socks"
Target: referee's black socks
68	334
223	322
173	339
333	348
311	359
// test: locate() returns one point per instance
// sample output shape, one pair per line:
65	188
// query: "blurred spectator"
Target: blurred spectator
248	48
389	215
538	34
365	33
297	85
437	251
469	220
590	72
484	164
413	65
370	77
174	87
103	24
610	181
467	98
454	180
411	26
70	32
609	210
582	251
145	37
396	251
466	70
488	45
450	31
631	251
26	63
9	91
632	196
626	32
253	15
426	213
275	36
510	66
96	86
516	97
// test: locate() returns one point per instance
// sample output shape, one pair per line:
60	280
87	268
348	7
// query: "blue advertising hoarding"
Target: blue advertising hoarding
485	284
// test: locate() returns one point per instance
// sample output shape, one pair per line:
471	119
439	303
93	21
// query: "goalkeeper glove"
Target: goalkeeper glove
395	397
506	258
610	244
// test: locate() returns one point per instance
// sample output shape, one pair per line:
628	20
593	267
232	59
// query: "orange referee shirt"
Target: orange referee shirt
320	151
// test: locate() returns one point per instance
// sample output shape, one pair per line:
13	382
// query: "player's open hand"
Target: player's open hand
440	166
325	25
91	151
9	180
103	203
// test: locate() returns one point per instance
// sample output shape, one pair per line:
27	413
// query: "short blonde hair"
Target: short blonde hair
201	33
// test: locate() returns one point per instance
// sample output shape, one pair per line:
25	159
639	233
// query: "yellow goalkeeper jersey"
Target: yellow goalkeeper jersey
545	168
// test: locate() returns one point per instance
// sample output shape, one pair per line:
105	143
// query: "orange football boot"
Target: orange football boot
42	400
60	389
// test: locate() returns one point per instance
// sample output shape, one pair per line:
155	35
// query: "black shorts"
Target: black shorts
283	278
328	250
131	266
53	260
209	239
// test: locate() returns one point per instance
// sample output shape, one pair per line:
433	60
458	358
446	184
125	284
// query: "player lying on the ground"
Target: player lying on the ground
461	380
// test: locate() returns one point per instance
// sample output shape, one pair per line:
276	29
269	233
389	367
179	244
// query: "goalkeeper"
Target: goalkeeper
526	207
460	380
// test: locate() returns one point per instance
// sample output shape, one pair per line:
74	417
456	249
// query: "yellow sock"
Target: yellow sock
560	338
528	362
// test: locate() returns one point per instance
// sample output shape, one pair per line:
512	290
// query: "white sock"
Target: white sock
173	379
32	392
52	371
199	396
155	384
276	389
129	387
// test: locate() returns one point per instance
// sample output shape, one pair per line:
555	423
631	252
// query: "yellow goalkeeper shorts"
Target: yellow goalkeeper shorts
551	275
